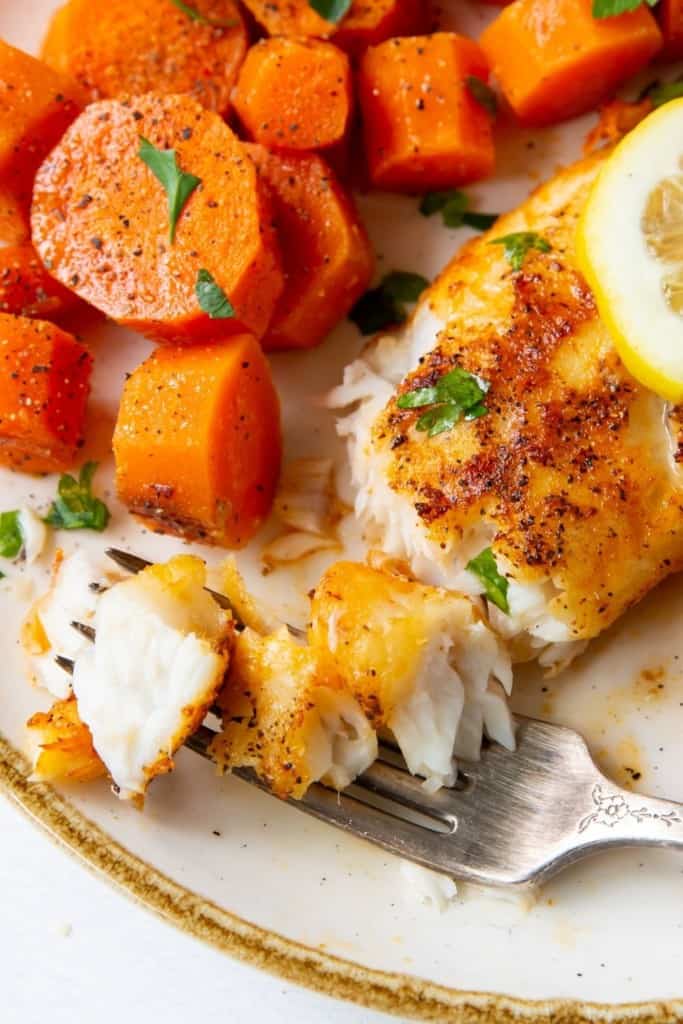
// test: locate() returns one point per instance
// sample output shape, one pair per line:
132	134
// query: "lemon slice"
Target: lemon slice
630	249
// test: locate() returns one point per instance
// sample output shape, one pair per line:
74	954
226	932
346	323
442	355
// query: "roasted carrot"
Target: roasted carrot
36	106
121	48
14	221
671	23
197	442
44	384
371	22
290	18
424	129
554	60
65	751
295	93
327	258
102	225
26	288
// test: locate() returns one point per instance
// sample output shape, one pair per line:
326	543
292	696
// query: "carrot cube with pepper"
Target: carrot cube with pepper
554	60
370	22
44	385
424	127
295	94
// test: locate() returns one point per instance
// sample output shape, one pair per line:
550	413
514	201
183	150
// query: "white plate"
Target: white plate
302	899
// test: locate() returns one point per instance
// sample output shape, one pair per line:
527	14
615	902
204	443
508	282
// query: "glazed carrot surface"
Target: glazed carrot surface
671	23
327	258
289	18
37	104
26	288
44	385
423	127
101	220
295	94
197	442
370	22
14	219
121	48
554	60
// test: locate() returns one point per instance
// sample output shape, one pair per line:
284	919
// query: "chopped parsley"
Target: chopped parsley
453	206
11	537
178	185
211	297
611	8
384	305
495	586
456	395
194	15
331	10
518	244
482	92
75	507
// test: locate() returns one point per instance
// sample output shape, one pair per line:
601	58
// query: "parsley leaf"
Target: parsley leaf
194	15
11	537
75	507
383	306
211	297
455	395
610	8
661	93
453	206
178	185
495	586
518	244
482	92
331	10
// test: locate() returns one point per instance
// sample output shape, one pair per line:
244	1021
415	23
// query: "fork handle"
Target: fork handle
620	818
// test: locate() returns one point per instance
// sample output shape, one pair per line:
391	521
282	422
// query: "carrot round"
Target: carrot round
101	221
37	104
423	127
370	22
121	48
670	14
327	258
14	219
554	60
26	288
44	384
295	94
197	441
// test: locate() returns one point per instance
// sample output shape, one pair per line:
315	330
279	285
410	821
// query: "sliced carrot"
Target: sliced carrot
295	94
101	222
370	22
197	441
14	220
65	748
327	258
671	23
119	48
26	288
36	106
423	127
44	384
554	60
289	18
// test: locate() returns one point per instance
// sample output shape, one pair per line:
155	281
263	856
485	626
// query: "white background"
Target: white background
73	949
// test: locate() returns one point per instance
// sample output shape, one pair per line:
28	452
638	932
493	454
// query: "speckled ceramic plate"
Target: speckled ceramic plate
266	883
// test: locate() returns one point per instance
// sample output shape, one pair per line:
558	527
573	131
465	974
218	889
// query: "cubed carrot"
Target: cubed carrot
371	22
197	441
14	219
290	18
121	48
37	104
44	385
554	60
295	94
327	257
671	23
26	288
423	127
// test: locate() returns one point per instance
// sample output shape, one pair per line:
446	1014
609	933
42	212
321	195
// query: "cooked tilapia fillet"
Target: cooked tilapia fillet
572	478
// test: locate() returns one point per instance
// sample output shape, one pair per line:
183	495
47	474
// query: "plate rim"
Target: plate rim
325	973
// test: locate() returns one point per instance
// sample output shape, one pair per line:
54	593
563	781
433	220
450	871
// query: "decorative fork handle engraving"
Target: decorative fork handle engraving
611	808
618	816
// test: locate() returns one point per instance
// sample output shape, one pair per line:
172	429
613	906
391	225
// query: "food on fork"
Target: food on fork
63	750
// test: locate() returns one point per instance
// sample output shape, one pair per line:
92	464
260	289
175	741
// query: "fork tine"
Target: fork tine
87	631
65	663
392	783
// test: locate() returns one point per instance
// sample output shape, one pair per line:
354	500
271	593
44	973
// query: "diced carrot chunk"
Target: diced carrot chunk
554	60
289	18
14	219
100	220
119	48
26	288
671	23
423	127
327	258
44	384
197	441
295	94
371	22
36	106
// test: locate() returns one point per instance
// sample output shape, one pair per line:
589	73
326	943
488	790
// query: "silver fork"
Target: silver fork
512	819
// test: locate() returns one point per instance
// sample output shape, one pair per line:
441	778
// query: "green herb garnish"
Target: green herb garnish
482	92
194	15
661	93
518	244
212	299
611	8
75	507
453	206
331	10
456	395
384	305
11	537
178	185
495	586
